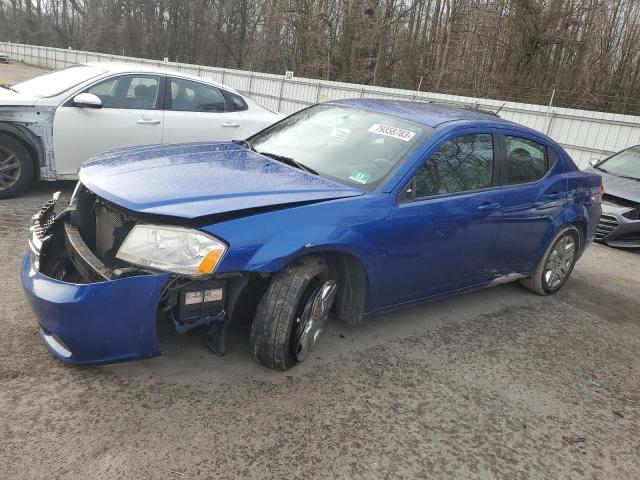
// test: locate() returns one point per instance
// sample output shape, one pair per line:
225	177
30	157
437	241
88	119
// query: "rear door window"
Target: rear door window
188	96
526	161
235	103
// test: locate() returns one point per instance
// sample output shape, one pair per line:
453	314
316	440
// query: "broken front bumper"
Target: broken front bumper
619	226
104	321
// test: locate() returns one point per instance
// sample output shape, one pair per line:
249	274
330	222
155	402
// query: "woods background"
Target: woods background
520	50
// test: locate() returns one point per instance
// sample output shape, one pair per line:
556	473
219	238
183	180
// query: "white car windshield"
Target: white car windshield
350	145
58	82
623	164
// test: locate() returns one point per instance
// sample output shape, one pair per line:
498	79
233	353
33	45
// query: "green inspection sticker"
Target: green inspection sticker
360	177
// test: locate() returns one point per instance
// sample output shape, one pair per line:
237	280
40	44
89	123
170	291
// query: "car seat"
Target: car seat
521	166
140	94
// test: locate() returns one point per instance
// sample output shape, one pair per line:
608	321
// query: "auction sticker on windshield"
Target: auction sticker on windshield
360	177
393	132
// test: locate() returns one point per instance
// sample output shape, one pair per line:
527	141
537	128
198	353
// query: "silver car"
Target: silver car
620	222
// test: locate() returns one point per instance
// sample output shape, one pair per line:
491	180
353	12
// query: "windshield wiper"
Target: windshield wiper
9	87
625	176
289	161
244	143
617	174
275	156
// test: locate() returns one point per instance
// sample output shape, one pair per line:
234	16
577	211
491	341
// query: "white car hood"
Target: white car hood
9	98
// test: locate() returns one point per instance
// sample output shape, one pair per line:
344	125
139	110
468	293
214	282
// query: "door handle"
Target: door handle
554	195
489	206
148	121
230	125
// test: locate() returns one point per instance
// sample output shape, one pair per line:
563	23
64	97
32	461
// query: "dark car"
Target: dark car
4	57
359	206
620	222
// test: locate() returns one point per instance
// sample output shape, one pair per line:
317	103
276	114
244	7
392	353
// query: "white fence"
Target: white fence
584	134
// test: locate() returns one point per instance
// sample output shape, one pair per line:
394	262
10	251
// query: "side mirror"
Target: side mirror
593	161
87	100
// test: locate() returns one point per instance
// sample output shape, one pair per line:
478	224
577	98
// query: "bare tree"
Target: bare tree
588	50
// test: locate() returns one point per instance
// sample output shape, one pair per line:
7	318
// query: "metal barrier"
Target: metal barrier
584	134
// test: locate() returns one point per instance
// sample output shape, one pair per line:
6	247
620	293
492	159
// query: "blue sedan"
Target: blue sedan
352	206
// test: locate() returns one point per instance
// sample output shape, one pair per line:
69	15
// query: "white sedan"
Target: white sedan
51	124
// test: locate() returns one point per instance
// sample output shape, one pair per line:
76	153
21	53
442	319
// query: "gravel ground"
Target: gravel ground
15	72
499	383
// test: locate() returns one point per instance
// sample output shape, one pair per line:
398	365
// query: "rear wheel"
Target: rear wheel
556	265
292	313
16	167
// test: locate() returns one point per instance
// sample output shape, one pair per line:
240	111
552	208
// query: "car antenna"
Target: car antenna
498	111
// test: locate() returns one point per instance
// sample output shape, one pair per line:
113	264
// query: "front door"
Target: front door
445	227
198	112
131	114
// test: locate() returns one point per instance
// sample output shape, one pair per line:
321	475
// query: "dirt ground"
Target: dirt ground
499	383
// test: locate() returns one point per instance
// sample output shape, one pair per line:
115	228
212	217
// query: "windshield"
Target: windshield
345	144
58	82
623	164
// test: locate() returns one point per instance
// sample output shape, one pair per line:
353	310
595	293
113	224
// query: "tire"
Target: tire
13	154
350	302
543	281
280	309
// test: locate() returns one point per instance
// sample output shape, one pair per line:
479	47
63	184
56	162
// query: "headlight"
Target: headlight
173	249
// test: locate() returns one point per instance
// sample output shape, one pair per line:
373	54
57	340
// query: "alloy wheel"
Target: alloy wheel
559	262
10	168
313	317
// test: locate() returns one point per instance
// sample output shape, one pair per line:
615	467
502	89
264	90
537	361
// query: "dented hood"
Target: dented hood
617	186
202	179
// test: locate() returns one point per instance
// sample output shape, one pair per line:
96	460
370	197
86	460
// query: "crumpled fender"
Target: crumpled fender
285	247
268	242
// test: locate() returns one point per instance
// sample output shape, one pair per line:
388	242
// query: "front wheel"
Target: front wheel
292	313
16	167
556	265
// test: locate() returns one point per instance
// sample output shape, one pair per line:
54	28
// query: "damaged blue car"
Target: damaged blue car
354	207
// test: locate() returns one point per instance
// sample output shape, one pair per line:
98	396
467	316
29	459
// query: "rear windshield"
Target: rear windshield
58	82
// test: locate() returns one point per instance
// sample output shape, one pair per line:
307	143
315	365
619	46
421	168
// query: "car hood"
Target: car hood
621	187
9	98
202	179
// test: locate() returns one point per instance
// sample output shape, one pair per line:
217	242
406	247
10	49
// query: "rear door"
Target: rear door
198	112
131	114
535	193
445	228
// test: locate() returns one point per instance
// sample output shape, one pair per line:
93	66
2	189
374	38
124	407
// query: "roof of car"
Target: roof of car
121	67
429	114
